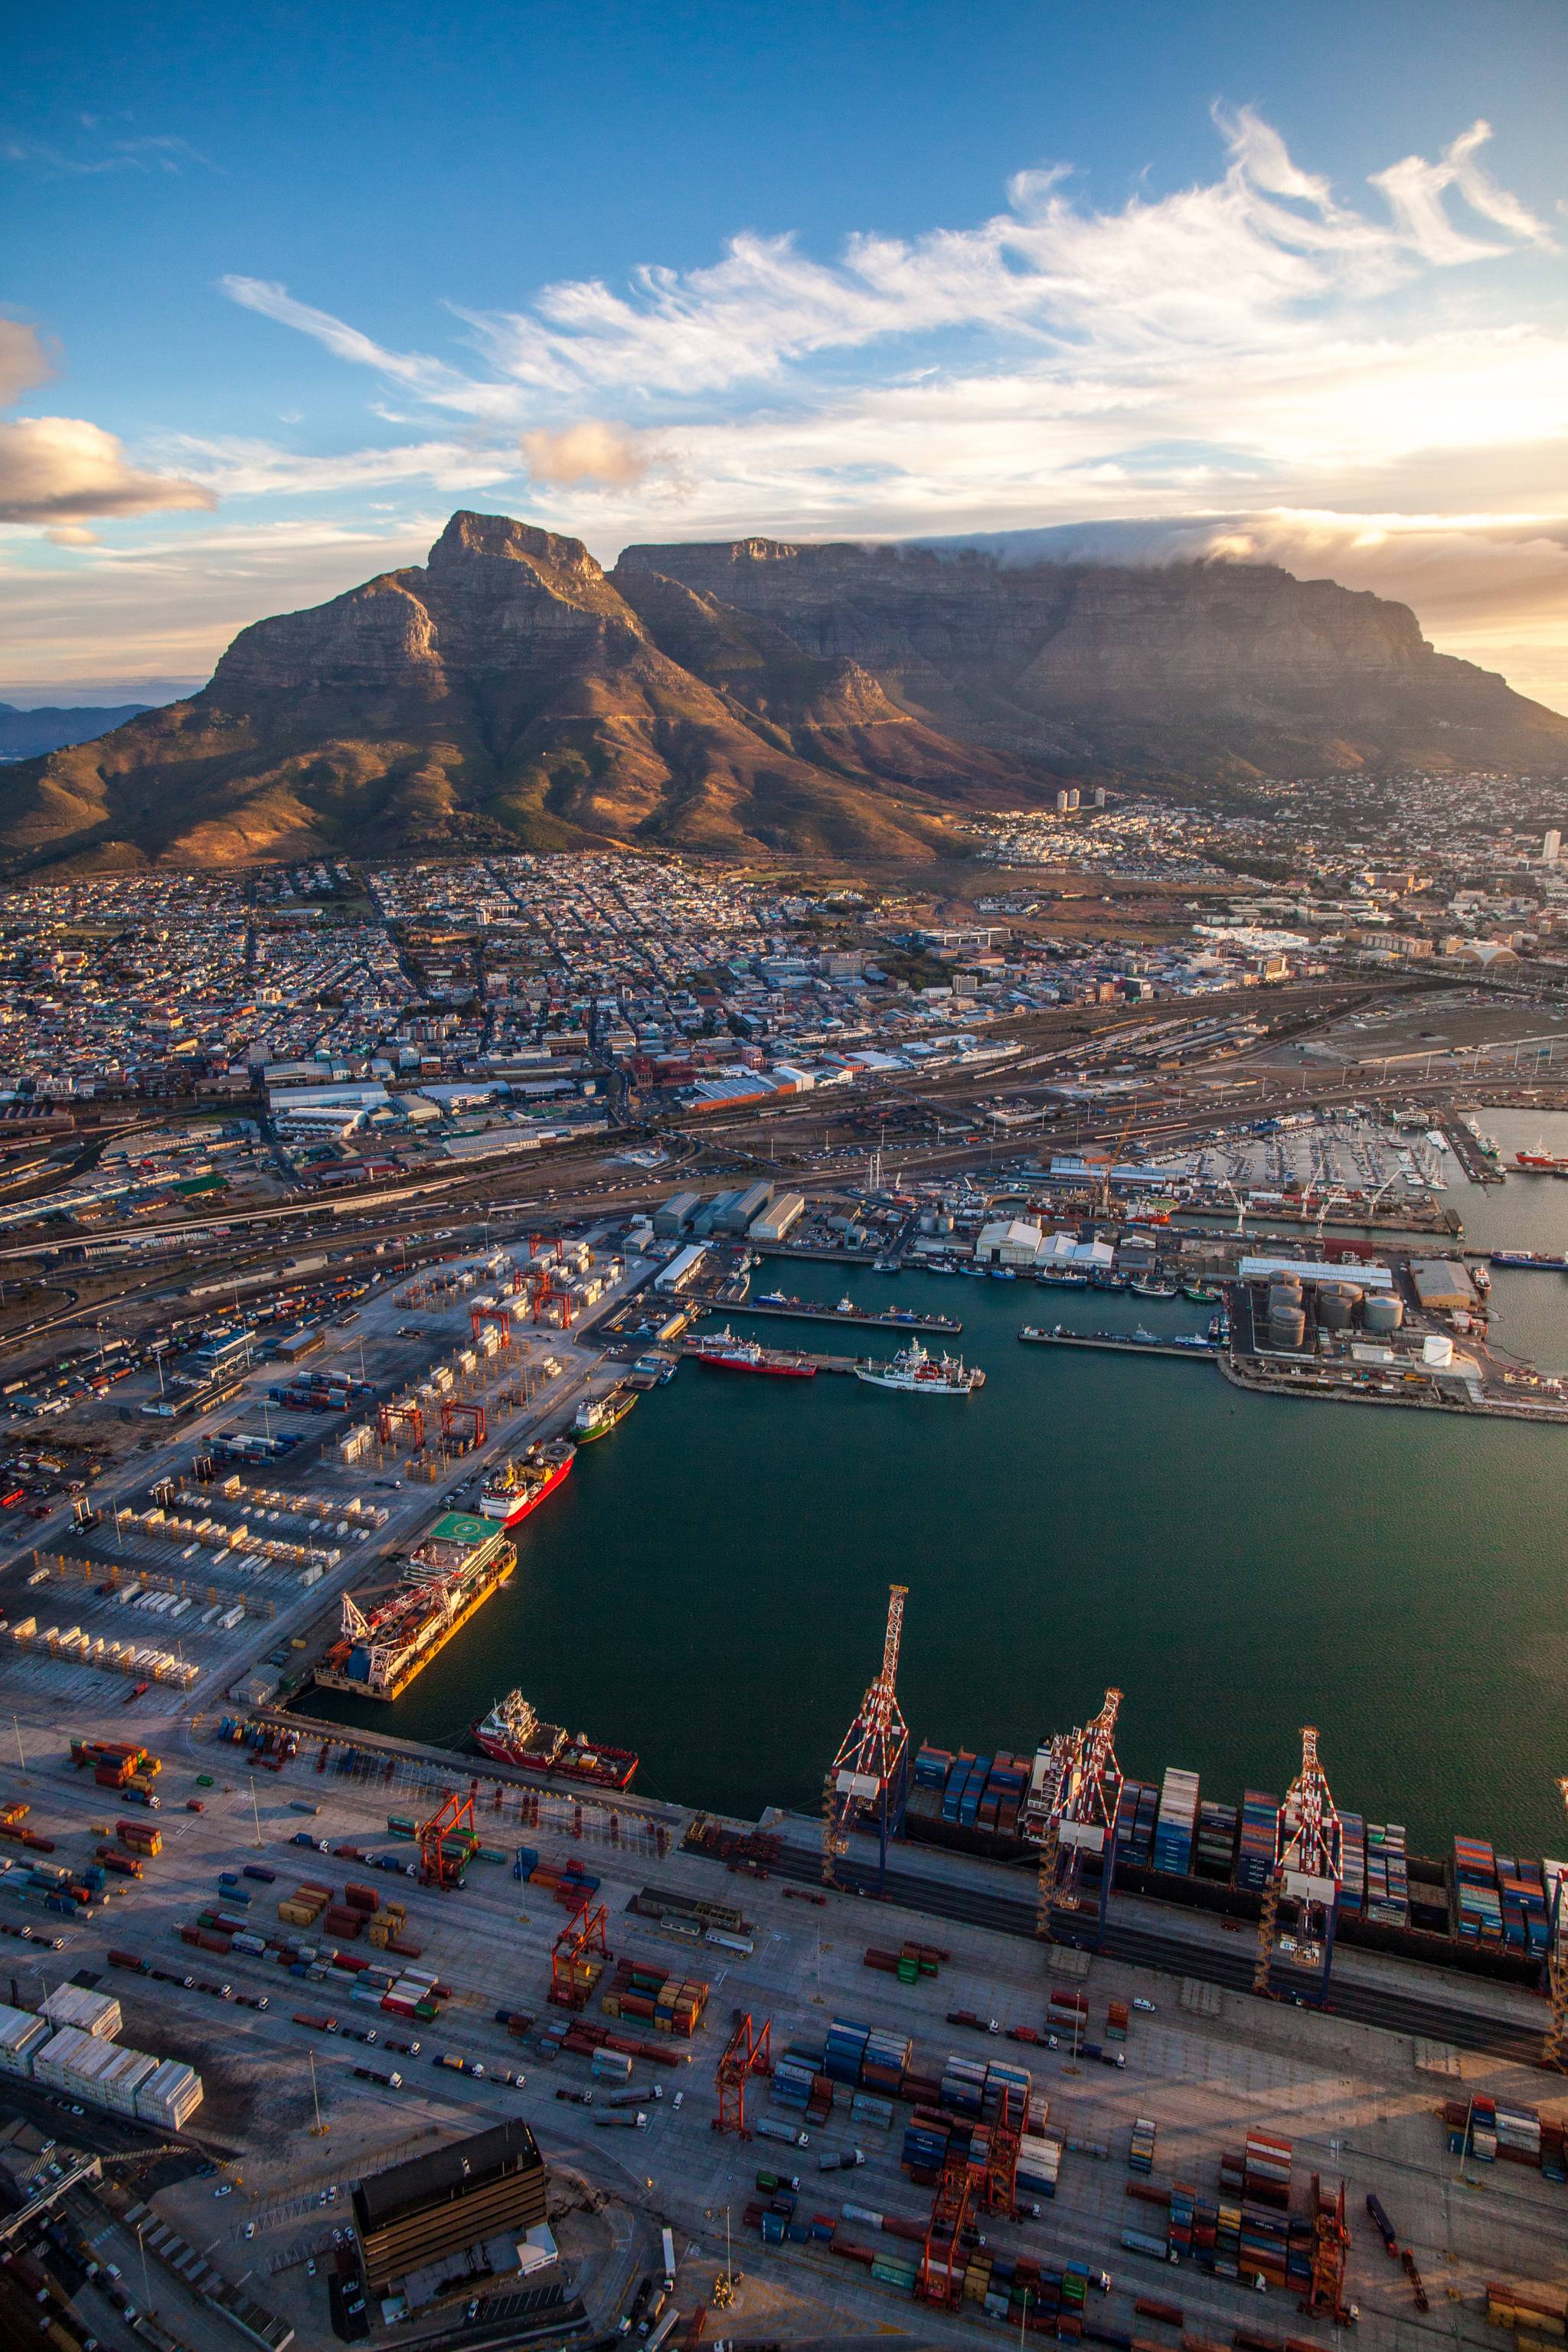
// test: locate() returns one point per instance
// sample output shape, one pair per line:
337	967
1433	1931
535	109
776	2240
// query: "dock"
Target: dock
1118	1343
1469	1153
689	1347
805	1310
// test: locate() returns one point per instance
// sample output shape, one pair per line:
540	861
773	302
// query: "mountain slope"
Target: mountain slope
751	696
503	695
27	734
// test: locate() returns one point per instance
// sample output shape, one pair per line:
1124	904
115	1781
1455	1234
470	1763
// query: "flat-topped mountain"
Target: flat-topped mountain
749	697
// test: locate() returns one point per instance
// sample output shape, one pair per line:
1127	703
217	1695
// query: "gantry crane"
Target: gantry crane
452	1409
501	1316
940	2279
1309	1870
583	1941
454	1821
746	2053
1325	2297
1074	1795
870	1772
1555	2049
390	1414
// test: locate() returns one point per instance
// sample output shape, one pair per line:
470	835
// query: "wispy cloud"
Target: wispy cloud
94	156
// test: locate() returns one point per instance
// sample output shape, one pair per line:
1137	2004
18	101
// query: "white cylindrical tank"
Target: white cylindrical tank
1438	1351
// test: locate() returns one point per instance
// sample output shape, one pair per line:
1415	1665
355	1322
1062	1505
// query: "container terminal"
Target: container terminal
1077	2115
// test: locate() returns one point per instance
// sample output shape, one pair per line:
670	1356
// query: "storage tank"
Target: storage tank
1438	1351
1287	1326
1383	1313
1337	1304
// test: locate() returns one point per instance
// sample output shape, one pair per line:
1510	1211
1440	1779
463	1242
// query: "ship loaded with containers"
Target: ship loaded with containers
389	1634
1483	1908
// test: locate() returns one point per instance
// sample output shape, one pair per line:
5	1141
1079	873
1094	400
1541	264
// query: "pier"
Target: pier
1118	1343
691	1347
1469	1153
804	1310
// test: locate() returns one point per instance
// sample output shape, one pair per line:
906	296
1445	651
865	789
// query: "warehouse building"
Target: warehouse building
776	1222
430	2211
1008	1240
673	1216
1440	1283
741	1212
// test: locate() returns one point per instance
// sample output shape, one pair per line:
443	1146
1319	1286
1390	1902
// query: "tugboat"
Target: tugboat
512	1734
596	1416
916	1373
518	1487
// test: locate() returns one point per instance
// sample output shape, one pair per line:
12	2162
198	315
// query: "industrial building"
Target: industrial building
777	1221
434	2208
1441	1285
673	1216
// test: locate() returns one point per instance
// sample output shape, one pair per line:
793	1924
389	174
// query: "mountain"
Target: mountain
25	734
748	697
1197	670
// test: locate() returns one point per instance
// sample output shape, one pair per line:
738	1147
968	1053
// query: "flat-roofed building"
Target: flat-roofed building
420	2213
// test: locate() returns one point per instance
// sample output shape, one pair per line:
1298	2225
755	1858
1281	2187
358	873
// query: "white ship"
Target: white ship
916	1373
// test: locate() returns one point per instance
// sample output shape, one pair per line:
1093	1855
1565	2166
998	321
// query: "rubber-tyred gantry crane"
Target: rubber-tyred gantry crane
940	2278
584	1939
390	1414
498	1315
1325	2297
1309	1870
1075	1792
453	1409
454	1820
870	1772
746	2053
1554	2048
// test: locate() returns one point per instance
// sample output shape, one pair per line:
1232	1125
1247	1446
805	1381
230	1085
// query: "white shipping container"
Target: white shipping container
22	2036
94	2012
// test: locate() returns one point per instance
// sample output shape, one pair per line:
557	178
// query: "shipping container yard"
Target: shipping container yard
949	2123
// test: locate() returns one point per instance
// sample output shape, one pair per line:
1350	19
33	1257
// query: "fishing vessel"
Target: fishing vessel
726	1353
520	1486
512	1734
596	1416
1542	1162
1202	1294
916	1373
1154	1285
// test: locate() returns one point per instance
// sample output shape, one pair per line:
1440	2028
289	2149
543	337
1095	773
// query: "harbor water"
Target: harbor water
709	1585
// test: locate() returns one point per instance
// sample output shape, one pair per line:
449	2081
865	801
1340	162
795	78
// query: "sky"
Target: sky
281	287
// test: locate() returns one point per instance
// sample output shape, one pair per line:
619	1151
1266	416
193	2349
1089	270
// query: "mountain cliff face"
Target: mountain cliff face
1196	669
749	697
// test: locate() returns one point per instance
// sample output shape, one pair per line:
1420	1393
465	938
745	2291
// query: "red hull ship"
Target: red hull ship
512	1734
522	1485
728	1354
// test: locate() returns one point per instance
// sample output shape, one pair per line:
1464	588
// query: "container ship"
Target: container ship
1479	1907
512	1734
728	1354
596	1416
916	1373
520	1486
389	1634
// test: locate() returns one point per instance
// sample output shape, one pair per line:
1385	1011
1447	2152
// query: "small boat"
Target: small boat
775	1298
1202	1294
845	1306
1154	1285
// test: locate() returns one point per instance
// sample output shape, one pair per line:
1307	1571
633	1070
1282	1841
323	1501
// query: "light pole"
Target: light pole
254	1815
146	2282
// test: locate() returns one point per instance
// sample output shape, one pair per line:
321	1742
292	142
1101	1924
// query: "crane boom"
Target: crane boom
870	1772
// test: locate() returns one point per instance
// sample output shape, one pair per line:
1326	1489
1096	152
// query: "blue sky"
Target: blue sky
280	293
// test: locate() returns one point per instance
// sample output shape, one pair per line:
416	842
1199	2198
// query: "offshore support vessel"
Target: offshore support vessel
512	1734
